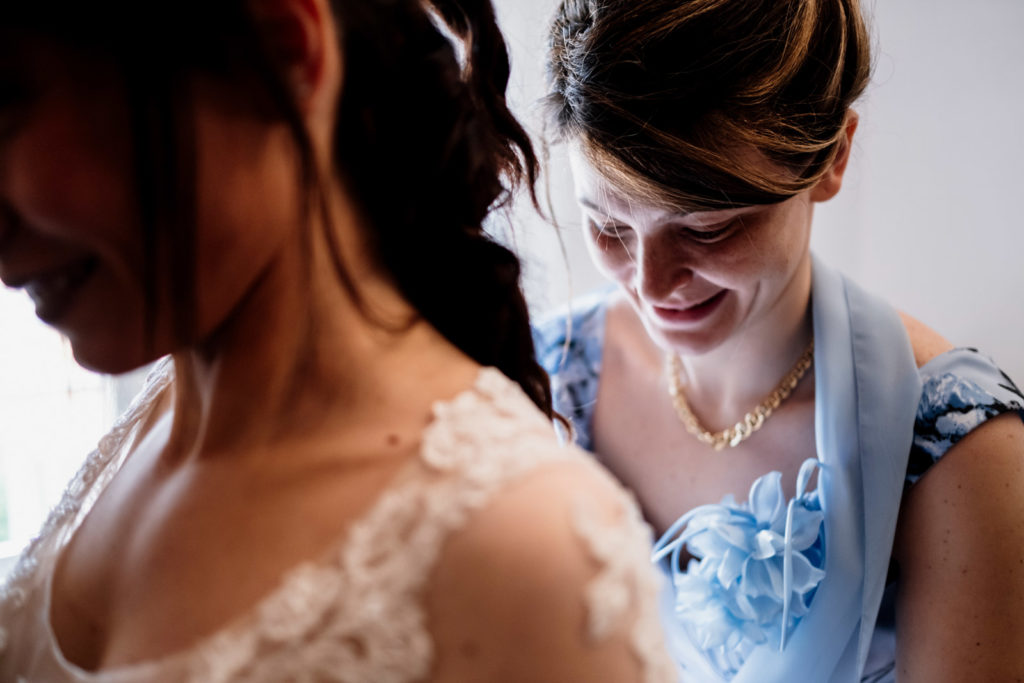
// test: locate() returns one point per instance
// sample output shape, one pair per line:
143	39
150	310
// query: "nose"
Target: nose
661	270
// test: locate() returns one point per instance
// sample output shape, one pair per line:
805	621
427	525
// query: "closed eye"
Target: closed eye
608	230
711	233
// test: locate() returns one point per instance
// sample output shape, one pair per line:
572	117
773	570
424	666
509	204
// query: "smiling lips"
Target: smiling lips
691	314
54	291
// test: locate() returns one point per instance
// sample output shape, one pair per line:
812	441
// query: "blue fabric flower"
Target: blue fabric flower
755	569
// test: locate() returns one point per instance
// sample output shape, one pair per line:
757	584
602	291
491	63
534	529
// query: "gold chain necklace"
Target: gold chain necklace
752	421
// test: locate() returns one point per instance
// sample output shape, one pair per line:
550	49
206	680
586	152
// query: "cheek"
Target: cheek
612	256
769	249
249	208
787	239
730	264
71	181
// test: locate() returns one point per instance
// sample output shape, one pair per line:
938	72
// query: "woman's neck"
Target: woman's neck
730	380
299	361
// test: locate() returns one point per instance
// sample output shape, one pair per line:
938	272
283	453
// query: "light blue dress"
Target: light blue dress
799	589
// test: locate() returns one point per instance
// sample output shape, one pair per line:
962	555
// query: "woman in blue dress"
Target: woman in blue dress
837	489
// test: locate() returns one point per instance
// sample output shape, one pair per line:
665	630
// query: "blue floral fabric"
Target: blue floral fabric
569	348
757	564
962	389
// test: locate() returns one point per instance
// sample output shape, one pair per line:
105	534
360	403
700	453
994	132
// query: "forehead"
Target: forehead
598	193
595	191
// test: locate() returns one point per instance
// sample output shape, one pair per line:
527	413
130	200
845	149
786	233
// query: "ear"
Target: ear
829	185
301	40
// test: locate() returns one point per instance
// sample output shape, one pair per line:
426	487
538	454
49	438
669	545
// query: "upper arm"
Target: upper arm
926	342
960	549
550	582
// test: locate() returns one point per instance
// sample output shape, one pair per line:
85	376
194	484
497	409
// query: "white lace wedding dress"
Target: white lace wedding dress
360	616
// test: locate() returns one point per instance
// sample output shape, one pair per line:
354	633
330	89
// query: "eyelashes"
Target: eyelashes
714	235
608	231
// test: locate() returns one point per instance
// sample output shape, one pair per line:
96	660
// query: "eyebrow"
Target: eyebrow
591	205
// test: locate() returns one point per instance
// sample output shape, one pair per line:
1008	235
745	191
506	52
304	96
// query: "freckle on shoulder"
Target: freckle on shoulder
926	342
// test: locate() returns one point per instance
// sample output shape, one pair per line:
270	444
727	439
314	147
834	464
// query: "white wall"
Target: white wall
930	215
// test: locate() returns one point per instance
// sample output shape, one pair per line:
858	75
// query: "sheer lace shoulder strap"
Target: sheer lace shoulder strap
624	593
108	456
558	533
556	563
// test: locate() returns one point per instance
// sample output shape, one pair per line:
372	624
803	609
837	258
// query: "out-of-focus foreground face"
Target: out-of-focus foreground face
70	228
694	279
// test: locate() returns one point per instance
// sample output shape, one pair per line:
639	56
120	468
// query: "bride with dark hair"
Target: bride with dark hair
343	467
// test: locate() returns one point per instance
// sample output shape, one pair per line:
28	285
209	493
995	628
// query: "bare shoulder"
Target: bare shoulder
926	342
512	595
960	548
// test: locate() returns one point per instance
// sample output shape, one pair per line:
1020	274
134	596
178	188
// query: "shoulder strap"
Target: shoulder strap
867	388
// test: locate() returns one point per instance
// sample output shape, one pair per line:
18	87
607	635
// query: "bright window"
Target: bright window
52	414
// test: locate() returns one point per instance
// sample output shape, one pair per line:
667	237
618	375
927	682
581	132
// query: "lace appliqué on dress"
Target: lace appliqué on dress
624	586
360	619
357	615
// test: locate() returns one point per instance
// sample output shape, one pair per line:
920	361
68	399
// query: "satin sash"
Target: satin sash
867	389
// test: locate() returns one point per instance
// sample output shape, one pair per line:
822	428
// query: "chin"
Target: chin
106	364
109	356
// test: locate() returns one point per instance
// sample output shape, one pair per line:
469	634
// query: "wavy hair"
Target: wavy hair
669	97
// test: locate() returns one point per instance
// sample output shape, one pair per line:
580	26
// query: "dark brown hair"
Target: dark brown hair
681	101
426	145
